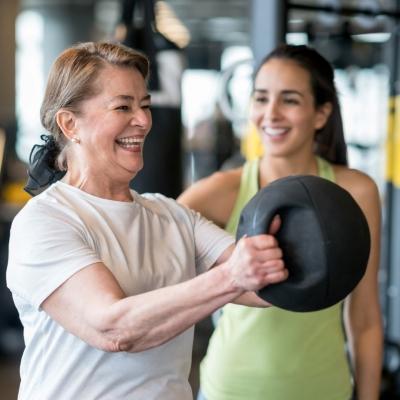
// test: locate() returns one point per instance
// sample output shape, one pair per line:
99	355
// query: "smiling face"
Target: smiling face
111	127
283	109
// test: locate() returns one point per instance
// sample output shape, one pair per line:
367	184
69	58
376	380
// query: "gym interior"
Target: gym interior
200	124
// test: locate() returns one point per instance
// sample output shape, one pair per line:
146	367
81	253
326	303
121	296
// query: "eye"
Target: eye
291	101
123	107
261	99
146	106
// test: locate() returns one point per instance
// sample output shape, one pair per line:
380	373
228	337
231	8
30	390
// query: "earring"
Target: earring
76	140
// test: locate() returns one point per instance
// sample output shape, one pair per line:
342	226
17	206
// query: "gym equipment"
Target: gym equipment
324	237
163	155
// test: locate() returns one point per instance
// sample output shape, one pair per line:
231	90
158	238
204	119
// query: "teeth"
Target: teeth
131	140
275	131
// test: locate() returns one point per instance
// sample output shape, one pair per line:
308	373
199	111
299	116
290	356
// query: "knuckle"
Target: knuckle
270	241
280	264
271	255
243	244
247	257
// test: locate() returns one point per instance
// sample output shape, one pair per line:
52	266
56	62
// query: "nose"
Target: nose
272	110
142	118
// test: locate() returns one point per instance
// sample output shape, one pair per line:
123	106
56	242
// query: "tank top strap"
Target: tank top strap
325	169
248	188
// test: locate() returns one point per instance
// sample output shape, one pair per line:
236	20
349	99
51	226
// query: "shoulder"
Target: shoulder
38	207
50	211
361	186
214	196
217	183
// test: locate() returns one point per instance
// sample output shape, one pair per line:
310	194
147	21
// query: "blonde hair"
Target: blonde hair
72	80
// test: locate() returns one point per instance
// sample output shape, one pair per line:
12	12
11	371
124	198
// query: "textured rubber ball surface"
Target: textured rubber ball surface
324	237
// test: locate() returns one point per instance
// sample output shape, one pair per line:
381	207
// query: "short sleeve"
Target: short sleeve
46	248
210	241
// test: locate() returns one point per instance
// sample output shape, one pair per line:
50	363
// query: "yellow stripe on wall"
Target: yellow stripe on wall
393	142
389	140
251	145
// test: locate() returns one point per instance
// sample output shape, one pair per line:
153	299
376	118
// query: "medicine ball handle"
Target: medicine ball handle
252	223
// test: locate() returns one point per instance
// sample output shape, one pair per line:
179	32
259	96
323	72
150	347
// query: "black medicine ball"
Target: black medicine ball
324	237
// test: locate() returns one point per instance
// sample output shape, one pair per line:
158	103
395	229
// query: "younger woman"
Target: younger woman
271	353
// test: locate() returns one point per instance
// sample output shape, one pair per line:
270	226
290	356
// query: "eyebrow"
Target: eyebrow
130	98
288	91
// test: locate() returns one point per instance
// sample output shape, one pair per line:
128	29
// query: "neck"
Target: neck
273	168
99	186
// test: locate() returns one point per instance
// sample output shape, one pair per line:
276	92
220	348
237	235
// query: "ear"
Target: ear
323	113
66	121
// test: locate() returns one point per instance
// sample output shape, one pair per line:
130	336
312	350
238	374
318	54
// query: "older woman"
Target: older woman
107	282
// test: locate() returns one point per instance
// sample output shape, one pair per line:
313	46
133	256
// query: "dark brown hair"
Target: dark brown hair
329	140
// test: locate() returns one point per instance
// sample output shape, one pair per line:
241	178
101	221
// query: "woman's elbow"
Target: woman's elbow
107	335
117	333
113	341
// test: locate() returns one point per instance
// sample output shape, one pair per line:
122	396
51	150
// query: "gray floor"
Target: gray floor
9	378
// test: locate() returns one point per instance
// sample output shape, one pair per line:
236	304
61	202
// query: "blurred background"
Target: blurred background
203	54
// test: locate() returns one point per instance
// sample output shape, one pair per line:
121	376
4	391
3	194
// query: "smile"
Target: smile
275	131
130	142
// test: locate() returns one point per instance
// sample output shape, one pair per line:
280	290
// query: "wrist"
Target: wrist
229	281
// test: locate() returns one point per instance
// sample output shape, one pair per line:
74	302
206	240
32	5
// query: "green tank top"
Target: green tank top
274	354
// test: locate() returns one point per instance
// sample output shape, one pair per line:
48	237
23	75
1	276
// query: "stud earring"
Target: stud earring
76	140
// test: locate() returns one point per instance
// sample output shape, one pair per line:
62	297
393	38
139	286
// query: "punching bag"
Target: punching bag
162	171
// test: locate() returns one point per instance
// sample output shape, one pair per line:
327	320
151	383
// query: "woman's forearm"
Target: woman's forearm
367	360
92	305
141	322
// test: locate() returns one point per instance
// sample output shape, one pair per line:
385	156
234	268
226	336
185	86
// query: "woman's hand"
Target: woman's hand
256	262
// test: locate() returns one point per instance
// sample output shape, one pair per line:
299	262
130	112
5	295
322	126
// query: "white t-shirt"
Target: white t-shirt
149	243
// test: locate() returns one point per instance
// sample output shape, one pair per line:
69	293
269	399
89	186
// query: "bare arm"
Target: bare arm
362	311
214	197
92	306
